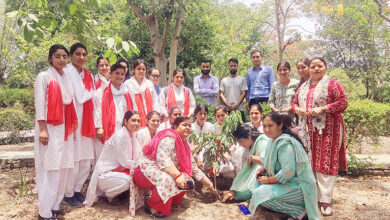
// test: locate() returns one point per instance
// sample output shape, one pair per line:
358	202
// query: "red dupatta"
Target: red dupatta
88	125
182	149
172	100
140	105
108	111
98	84
56	108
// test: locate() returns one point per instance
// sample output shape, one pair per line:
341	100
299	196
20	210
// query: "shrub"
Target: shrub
353	89
14	98
366	119
382	94
14	121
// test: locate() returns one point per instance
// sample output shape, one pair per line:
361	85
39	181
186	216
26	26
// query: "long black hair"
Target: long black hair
287	122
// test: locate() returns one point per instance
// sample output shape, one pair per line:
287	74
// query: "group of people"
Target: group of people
132	135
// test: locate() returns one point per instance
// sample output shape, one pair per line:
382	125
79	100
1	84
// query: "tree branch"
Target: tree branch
380	11
166	26
138	11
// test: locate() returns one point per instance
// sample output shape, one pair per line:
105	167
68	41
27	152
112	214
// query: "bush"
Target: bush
382	94
15	98
14	121
366	119
353	89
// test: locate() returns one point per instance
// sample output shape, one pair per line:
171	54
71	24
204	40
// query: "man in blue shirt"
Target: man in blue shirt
259	79
206	85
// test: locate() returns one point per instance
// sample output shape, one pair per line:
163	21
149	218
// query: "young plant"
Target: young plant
215	146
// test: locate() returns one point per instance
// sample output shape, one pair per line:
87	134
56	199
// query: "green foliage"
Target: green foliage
215	146
353	88
210	117
18	98
356	165
382	94
14	120
365	119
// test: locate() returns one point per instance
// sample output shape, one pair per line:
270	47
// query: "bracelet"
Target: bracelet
177	176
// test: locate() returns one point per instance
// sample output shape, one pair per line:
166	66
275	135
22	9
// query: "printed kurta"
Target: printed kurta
166	156
281	96
58	153
327	155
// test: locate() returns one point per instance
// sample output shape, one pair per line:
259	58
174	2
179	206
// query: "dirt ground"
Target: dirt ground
365	197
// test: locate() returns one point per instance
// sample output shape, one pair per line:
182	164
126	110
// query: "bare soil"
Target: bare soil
365	197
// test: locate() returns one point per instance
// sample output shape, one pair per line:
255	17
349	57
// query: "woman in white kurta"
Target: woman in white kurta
53	139
176	94
108	119
142	91
173	113
103	76
83	85
166	166
153	121
112	172
255	115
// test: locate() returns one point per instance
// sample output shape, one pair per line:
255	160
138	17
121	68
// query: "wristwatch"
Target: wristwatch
250	158
236	107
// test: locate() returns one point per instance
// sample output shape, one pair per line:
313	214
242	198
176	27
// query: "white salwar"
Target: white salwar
54	161
179	95
135	88
121	150
120	110
83	146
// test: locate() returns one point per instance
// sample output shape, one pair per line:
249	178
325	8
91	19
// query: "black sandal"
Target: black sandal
157	214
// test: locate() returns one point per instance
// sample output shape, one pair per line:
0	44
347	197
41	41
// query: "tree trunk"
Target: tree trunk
161	64
175	40
278	30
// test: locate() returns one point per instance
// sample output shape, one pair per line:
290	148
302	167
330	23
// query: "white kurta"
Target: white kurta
103	80
260	129
120	105
83	145
121	150
58	153
164	125
179	95
135	88
145	133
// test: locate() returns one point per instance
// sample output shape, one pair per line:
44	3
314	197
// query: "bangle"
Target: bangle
177	176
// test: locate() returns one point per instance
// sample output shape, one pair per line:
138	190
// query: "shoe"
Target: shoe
72	201
156	214
42	218
79	196
326	211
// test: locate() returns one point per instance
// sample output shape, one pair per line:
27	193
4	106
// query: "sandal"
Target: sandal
157	214
326	211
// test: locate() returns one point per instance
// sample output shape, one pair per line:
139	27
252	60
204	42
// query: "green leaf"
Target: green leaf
33	17
72	9
39	32
28	35
12	14
110	42
113	58
118	40
125	46
79	28
107	53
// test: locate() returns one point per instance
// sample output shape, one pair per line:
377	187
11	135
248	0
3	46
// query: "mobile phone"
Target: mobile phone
244	209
